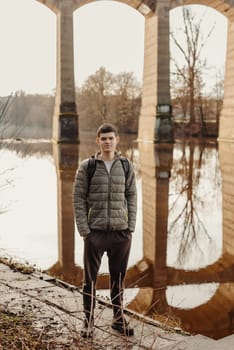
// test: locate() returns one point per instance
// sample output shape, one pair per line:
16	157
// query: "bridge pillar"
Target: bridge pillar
155	123
226	130
65	121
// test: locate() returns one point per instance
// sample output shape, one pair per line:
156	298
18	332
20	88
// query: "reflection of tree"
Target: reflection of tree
186	210
5	182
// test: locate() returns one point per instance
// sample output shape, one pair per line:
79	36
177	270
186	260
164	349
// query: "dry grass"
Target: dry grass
21	331
16	266
17	333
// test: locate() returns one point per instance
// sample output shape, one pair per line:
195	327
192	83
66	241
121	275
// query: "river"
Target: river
182	257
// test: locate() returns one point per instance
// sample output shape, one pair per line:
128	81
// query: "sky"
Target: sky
106	33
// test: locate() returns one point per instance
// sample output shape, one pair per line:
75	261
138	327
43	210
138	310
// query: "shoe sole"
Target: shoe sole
123	331
86	335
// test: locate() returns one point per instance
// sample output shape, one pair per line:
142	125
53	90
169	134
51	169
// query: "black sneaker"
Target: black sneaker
122	327
87	330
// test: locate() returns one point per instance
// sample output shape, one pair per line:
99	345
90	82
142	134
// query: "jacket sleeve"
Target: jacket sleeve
79	198
131	197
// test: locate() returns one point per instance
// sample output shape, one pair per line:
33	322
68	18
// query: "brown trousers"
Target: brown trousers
117	244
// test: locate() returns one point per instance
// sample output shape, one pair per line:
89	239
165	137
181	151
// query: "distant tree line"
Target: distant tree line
26	116
103	97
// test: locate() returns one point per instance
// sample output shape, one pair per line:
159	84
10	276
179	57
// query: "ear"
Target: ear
97	140
117	139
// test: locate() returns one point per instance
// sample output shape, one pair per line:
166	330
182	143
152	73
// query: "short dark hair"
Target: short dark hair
107	127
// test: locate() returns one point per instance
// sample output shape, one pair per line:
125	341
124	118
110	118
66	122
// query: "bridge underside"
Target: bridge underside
156	121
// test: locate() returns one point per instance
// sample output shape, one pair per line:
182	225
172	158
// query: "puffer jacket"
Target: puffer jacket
110	203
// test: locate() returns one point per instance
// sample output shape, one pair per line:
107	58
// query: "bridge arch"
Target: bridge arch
51	4
146	7
226	7
65	121
155	123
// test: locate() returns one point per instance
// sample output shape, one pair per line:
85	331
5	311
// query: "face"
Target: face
107	142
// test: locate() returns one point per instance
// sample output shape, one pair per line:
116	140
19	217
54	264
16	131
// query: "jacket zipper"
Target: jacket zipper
89	214
108	203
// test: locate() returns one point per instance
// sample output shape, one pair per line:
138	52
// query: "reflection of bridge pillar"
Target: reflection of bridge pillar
65	123
155	121
163	154
155	168
148	199
66	159
226	131
226	155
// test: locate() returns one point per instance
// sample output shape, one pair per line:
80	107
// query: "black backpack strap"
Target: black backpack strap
126	167
91	167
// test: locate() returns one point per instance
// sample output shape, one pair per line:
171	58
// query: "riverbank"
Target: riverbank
51	311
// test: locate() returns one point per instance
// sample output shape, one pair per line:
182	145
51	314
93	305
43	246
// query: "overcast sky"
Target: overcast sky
106	33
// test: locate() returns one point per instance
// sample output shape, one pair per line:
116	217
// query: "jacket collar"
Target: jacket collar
98	155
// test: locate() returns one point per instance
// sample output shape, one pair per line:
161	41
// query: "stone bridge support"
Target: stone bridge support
226	130
65	123
65	119
155	122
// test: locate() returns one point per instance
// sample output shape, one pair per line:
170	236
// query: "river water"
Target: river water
182	257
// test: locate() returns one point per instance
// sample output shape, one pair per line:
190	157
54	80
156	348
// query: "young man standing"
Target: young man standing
105	208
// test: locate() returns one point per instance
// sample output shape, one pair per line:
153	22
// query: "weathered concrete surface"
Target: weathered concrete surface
56	307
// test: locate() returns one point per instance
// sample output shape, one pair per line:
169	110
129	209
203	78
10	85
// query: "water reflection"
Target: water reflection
182	257
183	238
28	226
194	239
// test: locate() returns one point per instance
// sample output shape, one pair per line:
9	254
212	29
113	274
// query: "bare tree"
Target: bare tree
108	97
26	116
128	92
218	92
189	70
4	107
96	89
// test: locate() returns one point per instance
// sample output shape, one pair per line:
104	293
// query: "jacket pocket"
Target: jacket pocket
125	214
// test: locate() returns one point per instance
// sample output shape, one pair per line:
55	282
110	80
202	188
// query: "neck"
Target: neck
108	156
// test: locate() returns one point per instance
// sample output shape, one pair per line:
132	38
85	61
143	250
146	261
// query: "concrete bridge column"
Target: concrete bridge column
65	121
155	122
226	131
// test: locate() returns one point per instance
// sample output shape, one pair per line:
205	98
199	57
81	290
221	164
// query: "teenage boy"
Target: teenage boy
105	208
